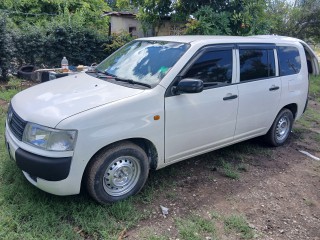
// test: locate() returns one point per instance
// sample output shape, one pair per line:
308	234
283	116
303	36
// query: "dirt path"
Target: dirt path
278	193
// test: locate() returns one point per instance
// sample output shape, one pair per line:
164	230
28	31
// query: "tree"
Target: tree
239	17
209	22
151	13
250	17
300	19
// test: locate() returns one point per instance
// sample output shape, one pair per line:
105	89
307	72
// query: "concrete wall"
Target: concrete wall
122	24
168	28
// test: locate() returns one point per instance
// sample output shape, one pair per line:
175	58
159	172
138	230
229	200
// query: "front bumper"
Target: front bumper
51	169
48	171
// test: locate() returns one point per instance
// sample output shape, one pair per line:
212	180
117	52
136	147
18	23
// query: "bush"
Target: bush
45	45
38	46
6	47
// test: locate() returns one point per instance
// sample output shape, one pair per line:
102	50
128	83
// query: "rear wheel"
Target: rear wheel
117	173
280	129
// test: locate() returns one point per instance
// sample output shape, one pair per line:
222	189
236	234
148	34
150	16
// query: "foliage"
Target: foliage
250	18
235	18
6	49
116	41
42	32
209	22
300	20
151	12
38	45
39	12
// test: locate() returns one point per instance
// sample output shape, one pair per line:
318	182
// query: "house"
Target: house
125	22
128	22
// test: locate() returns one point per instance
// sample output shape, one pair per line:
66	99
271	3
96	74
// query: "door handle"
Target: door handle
274	88
229	97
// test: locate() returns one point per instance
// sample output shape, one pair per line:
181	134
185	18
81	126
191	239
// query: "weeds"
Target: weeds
8	94
229	171
308	202
240	225
196	228
314	87
149	234
310	118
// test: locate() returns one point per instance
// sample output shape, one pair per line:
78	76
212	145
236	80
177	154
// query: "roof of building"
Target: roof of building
120	14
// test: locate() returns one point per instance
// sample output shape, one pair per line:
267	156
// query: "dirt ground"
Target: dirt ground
278	190
279	193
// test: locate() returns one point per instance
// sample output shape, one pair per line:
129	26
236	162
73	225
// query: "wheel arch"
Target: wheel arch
293	107
149	148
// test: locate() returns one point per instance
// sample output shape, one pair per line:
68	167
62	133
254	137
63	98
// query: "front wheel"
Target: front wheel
280	129
117	172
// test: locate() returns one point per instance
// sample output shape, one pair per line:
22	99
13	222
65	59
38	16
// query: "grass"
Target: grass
8	94
309	202
314	87
238	224
196	228
14	86
29	213
229	170
148	233
316	137
309	118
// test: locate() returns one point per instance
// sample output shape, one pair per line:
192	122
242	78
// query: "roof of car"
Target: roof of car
223	39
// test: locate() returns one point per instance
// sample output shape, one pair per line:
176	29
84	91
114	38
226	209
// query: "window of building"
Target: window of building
132	31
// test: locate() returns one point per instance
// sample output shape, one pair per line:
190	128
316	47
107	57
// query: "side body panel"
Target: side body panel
295	87
198	122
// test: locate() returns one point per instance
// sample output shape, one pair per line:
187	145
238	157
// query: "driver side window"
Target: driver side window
213	68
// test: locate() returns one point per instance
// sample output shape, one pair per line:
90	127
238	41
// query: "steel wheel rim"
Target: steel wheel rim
283	128
121	175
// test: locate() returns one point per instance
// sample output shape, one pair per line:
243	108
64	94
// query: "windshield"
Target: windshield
143	61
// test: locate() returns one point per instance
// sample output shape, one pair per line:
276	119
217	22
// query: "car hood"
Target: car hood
51	102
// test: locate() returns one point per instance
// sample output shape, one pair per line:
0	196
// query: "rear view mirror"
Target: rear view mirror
189	85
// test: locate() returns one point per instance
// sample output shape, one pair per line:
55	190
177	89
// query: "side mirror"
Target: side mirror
189	85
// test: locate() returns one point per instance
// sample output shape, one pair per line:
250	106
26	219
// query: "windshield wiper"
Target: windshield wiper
132	82
110	74
106	74
101	74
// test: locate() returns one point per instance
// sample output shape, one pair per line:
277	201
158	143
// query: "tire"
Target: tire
117	172
280	129
27	72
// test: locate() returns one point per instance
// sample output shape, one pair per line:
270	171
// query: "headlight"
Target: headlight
48	138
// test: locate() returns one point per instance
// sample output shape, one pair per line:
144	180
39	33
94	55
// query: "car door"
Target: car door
259	90
198	122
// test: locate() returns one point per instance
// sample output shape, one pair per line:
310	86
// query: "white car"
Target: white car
154	102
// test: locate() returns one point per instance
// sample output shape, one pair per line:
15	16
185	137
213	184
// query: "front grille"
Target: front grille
16	123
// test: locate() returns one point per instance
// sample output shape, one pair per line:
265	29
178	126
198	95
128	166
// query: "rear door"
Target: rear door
259	89
313	61
198	122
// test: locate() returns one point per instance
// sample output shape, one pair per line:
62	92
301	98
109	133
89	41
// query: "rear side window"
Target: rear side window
289	60
214	67
256	64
